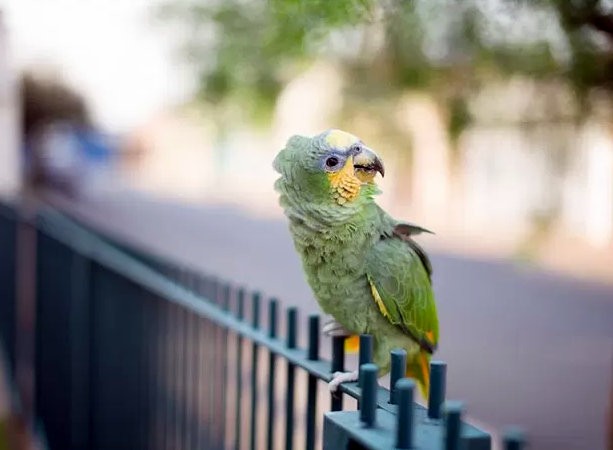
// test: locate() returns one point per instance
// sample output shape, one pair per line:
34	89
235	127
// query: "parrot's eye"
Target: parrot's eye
332	161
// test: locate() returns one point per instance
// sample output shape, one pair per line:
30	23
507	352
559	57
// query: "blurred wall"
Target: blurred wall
10	169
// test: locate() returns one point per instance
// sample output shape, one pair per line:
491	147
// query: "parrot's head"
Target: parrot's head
333	168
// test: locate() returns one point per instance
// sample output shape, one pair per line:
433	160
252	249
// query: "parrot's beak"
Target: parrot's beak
366	164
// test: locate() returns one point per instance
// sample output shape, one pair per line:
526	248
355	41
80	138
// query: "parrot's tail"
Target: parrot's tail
418	368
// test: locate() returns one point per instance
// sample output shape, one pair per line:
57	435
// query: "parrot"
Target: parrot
364	267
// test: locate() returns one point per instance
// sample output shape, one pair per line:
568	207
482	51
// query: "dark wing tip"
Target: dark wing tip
428	346
424	344
409	229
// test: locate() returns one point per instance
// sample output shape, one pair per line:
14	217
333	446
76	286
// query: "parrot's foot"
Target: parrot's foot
333	328
342	377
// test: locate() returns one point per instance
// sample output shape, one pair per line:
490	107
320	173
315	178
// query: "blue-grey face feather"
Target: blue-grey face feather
340	156
326	151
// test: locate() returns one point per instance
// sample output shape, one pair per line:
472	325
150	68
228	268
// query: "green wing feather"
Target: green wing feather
399	273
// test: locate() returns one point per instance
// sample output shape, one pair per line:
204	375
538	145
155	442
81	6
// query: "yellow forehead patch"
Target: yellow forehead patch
340	139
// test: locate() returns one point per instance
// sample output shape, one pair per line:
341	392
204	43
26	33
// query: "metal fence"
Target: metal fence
135	352
8	313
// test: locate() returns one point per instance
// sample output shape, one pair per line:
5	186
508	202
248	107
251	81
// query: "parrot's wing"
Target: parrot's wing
404	231
399	274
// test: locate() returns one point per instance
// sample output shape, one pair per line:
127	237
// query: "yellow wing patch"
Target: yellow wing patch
340	139
352	344
378	300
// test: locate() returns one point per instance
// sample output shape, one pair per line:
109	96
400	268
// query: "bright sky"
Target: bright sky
108	49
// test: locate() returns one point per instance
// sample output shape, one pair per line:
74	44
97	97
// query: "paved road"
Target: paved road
523	346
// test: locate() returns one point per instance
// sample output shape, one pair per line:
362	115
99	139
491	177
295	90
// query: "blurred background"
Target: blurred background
493	116
159	120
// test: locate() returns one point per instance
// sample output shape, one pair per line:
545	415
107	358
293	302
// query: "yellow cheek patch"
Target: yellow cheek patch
344	184
340	139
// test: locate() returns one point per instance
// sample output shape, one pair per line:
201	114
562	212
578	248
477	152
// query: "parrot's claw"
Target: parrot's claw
342	377
333	328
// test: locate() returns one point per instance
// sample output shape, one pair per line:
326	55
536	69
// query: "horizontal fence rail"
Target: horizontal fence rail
136	352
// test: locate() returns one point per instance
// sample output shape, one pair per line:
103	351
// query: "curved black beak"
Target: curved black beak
367	160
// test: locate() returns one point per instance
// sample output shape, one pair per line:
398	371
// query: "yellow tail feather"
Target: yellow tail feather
419	370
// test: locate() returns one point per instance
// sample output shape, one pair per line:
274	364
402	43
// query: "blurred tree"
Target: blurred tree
246	50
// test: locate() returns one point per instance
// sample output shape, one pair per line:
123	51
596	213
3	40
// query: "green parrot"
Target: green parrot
363	266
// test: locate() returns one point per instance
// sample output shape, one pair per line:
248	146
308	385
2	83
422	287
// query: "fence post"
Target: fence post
404	422
368	404
255	323
273	308
80	340
8	283
25	352
365	355
399	364
338	365
240	312
292	325
453	424
436	397
513	439
313	355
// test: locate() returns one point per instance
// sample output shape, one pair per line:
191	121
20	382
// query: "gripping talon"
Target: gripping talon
342	377
333	328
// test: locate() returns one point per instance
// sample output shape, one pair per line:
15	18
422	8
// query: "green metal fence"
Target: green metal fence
8	313
135	352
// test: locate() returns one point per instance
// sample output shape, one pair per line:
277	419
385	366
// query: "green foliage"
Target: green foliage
246	50
459	117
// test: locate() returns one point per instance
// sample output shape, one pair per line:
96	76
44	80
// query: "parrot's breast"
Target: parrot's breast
334	263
